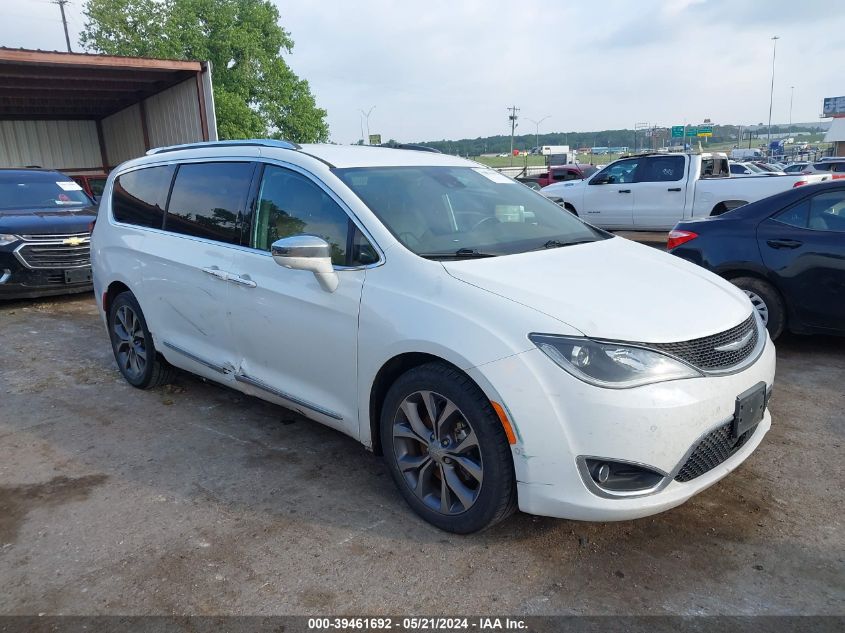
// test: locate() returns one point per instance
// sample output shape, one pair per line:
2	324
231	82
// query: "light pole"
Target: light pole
772	90
537	129
367	116
791	95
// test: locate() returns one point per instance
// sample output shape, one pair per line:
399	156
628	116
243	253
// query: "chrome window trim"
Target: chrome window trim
344	207
261	161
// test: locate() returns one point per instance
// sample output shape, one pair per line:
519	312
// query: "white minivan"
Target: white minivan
496	349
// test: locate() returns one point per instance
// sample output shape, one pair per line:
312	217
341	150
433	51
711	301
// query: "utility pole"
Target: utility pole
772	90
513	117
62	4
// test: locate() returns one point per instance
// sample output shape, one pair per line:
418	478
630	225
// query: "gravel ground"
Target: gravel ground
194	499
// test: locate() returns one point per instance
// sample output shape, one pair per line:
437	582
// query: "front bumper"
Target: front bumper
20	282
559	418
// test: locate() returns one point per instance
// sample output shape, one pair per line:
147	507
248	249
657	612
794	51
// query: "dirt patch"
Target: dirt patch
18	501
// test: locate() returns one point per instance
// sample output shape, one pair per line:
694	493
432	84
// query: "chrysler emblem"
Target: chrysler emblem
735	345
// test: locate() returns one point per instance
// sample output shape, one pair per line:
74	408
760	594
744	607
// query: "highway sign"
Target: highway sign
704	130
692	131
677	131
833	106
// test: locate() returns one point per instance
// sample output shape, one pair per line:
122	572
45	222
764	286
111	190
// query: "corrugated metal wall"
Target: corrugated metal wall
123	135
50	144
173	116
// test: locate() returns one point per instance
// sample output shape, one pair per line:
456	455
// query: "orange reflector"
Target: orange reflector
503	418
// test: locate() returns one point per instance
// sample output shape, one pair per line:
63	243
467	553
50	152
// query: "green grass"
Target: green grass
539	161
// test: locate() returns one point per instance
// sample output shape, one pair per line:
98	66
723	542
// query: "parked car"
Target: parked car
741	170
785	252
561	173
444	315
770	168
795	168
45	229
654	192
92	184
834	166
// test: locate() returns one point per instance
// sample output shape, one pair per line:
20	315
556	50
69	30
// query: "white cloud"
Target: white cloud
445	69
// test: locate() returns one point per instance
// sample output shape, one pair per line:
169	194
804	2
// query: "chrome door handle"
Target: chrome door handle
249	283
216	272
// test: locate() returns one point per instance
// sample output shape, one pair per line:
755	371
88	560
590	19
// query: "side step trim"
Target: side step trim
218	368
286	396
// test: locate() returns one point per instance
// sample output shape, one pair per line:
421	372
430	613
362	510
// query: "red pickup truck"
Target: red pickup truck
560	173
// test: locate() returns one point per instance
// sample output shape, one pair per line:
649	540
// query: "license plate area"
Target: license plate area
78	275
749	408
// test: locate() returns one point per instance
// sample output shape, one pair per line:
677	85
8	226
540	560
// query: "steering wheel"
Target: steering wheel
489	218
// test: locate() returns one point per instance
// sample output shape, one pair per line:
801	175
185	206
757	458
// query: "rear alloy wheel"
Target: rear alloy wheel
766	301
447	450
133	346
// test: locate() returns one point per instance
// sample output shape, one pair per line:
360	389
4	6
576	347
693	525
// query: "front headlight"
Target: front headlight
611	365
7	239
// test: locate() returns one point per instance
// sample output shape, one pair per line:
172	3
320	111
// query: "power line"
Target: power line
62	4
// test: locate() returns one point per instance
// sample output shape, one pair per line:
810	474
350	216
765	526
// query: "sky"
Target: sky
449	69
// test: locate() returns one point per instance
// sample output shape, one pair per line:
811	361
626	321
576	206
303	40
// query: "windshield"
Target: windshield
39	190
464	211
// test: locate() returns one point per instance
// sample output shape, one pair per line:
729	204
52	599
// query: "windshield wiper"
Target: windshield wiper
558	243
461	253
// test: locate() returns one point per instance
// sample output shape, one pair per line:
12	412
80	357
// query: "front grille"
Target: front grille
55	251
702	352
712	450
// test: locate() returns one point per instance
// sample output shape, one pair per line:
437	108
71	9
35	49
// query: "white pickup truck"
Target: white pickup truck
653	192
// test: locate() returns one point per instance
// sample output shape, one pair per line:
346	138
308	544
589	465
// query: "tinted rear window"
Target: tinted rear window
139	196
208	200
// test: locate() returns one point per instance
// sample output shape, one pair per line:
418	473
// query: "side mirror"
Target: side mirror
307	252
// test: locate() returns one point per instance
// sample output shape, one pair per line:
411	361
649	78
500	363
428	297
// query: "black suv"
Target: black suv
45	234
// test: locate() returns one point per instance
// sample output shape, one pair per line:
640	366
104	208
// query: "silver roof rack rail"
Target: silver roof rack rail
250	142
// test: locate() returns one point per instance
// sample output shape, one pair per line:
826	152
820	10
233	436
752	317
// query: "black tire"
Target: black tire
496	494
771	300
146	373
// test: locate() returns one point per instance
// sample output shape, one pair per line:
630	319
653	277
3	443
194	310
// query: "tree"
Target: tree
255	92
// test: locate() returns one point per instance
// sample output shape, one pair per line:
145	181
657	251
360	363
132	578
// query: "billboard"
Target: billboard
833	106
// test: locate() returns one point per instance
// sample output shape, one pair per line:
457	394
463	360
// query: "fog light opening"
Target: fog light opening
616	476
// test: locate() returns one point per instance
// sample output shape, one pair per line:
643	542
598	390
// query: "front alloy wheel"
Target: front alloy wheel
438	453
446	449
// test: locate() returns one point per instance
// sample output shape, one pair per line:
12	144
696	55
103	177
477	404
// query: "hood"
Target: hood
564	187
613	289
46	221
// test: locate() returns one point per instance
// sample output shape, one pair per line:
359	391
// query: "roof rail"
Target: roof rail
249	142
412	146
